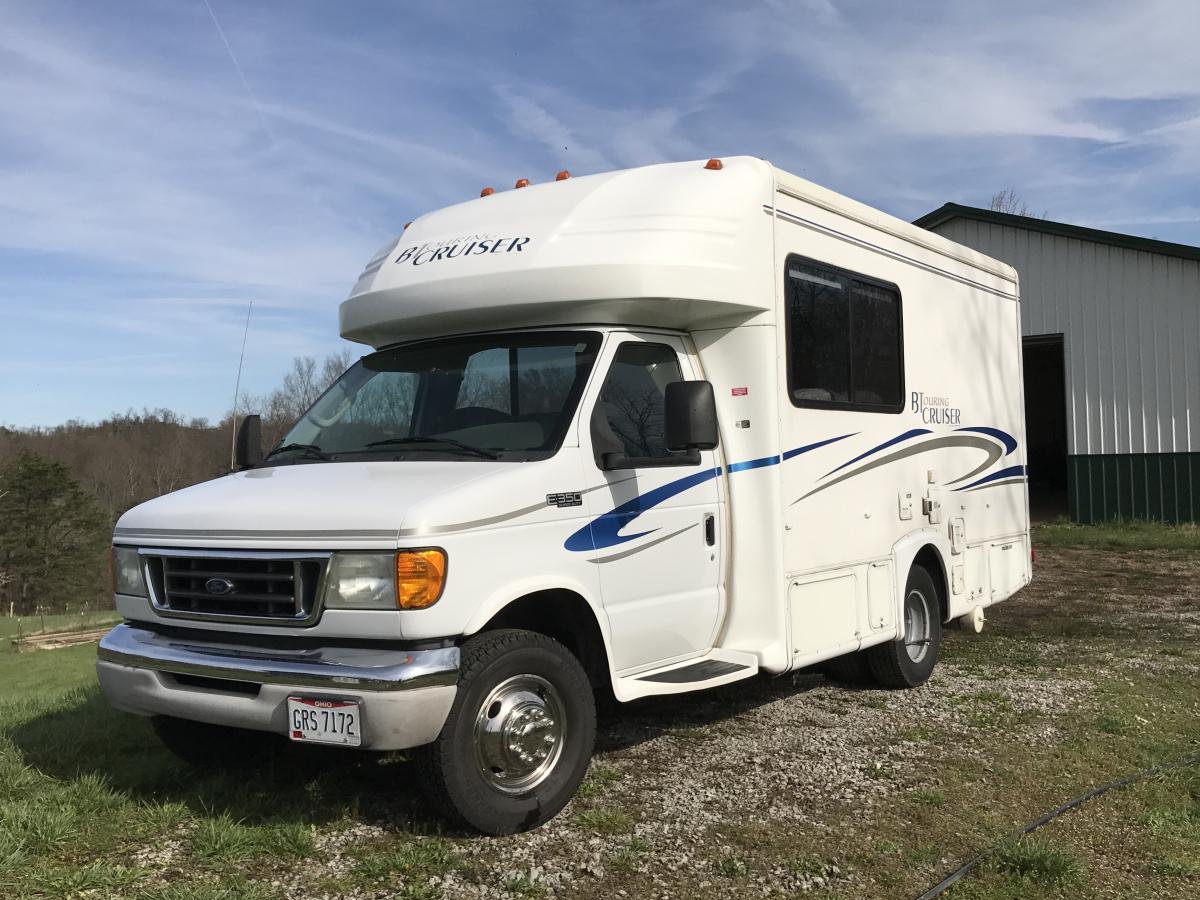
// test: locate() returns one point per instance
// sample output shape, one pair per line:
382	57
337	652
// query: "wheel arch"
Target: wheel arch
927	548
564	615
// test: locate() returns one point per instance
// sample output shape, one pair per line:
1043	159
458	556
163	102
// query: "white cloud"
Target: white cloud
142	198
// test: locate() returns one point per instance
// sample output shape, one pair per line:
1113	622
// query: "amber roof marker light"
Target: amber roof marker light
562	176
521	182
715	164
487	192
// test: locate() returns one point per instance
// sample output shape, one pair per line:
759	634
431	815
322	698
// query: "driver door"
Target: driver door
656	523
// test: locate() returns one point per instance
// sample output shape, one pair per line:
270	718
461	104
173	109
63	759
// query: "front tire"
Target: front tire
909	661
519	735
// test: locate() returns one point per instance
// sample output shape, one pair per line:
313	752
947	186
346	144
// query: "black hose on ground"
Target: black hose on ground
973	863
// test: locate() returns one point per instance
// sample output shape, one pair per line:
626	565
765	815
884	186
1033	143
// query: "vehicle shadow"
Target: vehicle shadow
83	737
623	726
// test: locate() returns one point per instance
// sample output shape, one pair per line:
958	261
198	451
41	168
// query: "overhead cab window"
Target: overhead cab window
844	339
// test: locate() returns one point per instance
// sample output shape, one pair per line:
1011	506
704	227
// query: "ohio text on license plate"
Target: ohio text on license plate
324	721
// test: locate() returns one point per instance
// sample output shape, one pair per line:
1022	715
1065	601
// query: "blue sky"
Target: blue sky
151	186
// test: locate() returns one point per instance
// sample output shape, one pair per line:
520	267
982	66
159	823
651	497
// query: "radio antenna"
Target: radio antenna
237	387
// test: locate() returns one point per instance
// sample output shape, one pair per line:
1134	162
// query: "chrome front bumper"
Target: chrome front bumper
405	695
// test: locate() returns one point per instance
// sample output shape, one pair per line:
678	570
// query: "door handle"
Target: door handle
710	529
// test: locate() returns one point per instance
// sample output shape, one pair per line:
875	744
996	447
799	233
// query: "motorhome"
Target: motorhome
636	433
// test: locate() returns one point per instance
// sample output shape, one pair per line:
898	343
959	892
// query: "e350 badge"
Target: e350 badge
568	498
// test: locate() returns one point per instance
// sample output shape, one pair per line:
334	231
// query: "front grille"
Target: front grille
271	587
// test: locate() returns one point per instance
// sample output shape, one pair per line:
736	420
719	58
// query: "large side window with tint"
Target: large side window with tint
845	343
633	398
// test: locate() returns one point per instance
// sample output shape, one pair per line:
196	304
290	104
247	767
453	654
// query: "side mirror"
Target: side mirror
248	447
690	417
610	452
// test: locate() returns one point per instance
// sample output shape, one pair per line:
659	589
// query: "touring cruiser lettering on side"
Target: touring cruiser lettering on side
468	245
935	410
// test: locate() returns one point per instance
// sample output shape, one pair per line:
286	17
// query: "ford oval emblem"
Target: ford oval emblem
218	586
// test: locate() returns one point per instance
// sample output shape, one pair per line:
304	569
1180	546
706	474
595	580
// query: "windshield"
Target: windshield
499	396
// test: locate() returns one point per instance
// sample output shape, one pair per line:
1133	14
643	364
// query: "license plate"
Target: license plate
324	721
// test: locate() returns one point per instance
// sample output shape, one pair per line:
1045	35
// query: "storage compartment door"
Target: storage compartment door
1006	568
881	604
824	615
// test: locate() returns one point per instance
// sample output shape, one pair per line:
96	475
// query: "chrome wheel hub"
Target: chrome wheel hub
917	619
519	733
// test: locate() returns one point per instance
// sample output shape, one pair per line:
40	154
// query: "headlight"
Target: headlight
127	572
409	579
361	581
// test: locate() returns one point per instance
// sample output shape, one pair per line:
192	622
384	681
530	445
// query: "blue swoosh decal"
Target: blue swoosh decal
1010	472
790	453
915	432
1009	442
754	464
604	531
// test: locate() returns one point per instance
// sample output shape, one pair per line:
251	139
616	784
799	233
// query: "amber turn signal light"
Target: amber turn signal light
562	176
420	577
522	182
714	164
487	192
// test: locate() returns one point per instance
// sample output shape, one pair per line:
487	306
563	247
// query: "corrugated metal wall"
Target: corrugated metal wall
1131	326
1131	322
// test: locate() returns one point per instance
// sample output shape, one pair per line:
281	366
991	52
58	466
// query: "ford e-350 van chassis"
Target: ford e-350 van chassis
632	434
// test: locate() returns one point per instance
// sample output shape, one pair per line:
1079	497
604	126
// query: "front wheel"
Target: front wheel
519	735
909	661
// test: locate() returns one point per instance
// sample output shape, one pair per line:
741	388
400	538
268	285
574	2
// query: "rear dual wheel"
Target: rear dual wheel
908	661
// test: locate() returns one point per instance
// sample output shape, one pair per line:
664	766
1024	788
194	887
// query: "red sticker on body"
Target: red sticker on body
740	392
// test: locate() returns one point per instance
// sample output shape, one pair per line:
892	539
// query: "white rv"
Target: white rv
642	432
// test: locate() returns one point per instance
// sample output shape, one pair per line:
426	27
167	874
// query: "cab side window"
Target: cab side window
632	398
845	342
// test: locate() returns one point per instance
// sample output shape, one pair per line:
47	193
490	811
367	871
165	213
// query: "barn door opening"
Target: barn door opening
1046	425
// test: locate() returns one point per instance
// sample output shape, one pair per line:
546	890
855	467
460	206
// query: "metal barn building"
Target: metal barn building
1111	327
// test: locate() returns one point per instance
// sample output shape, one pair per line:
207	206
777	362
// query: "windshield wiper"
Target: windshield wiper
310	450
448	443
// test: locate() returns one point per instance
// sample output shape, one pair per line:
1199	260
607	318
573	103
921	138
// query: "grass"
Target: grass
929	797
598	782
1118	535
1112	725
628	857
732	867
9	625
91	806
1034	859
604	820
45	672
523	886
223	839
432	857
807	866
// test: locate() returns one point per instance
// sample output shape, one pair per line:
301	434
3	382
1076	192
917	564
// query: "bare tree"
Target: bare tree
1008	201
333	367
302	384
